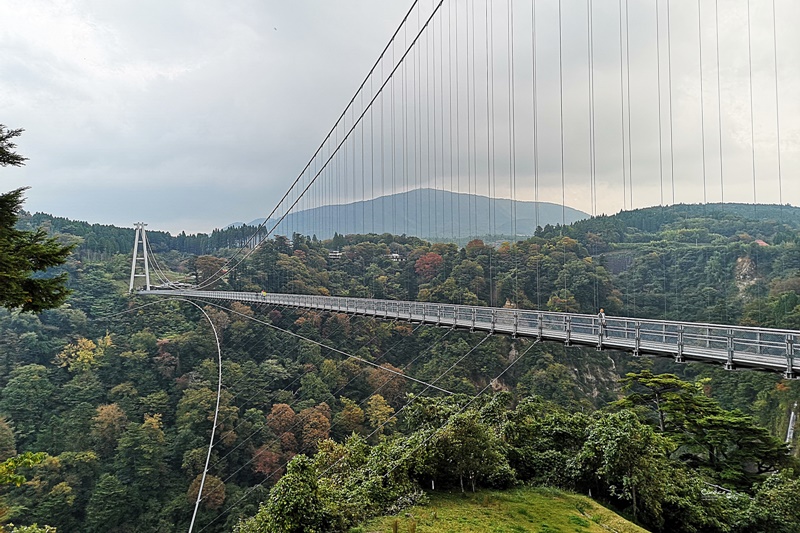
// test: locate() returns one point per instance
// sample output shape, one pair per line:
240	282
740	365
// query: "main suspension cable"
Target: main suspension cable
256	239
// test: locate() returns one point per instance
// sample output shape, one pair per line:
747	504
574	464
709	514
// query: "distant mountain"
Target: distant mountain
429	214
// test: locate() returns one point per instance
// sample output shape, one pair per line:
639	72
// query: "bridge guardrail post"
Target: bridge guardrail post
600	332
760	348
568	330
729	362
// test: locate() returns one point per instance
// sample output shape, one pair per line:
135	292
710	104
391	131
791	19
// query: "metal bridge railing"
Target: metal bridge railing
732	346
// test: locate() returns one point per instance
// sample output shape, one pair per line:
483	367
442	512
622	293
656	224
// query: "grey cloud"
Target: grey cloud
193	114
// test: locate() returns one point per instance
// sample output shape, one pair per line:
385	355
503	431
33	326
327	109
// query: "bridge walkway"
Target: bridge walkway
728	345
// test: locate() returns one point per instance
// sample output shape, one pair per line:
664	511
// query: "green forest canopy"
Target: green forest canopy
122	407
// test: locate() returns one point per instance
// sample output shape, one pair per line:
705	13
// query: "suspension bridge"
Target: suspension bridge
732	346
599	106
577	103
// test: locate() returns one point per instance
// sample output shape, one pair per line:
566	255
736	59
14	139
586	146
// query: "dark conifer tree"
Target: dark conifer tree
25	254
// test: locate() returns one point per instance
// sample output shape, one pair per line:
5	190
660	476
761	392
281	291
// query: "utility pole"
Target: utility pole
140	237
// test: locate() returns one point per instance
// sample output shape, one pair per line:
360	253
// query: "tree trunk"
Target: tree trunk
660	413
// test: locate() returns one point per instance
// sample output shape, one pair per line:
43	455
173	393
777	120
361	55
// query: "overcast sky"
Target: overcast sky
191	114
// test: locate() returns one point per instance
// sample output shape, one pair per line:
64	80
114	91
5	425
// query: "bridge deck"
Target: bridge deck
732	346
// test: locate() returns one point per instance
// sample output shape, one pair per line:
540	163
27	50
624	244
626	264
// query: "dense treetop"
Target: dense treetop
311	440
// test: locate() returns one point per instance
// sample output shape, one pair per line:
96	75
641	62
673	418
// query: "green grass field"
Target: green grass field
520	510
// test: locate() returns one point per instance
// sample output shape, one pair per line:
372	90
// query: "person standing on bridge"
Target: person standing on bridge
601	317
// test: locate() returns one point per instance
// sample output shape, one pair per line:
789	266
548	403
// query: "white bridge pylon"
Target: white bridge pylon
140	238
769	349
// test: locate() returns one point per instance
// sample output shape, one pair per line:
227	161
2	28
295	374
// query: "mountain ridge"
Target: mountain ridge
426	213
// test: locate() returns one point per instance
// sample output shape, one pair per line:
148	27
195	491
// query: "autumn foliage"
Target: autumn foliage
427	266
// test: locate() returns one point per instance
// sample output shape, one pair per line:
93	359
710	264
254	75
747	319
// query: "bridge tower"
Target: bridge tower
140	238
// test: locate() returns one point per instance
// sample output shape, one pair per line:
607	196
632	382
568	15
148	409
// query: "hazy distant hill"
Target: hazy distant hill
723	219
430	214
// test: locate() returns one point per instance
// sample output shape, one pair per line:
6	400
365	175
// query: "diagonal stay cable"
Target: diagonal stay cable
220	370
333	424
295	425
251	345
396	414
156	302
261	483
434	381
342	352
253	242
216	408
405	367
443	426
216	412
341	388
284	464
158	270
246	439
333	153
322	345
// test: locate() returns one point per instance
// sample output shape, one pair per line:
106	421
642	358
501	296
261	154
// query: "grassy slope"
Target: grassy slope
519	510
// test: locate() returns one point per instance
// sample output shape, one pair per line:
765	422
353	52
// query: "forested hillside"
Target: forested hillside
119	391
